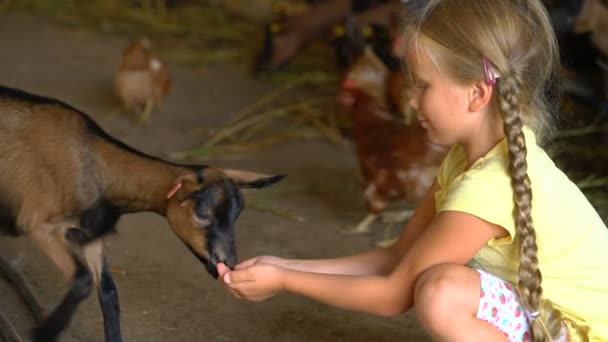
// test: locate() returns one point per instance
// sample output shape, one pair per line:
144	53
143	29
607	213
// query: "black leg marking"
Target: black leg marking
110	307
77	236
57	321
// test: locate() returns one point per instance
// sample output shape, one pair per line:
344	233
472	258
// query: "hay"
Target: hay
202	34
196	34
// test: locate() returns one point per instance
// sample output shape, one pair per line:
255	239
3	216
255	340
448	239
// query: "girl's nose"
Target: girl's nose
413	102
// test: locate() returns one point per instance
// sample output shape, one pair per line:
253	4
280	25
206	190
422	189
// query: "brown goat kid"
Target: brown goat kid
65	183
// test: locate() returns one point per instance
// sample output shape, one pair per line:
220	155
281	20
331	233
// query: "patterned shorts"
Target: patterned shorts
499	306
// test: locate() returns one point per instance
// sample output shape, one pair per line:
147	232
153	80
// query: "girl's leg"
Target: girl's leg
447	303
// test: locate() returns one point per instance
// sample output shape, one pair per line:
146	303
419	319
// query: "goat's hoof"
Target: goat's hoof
44	333
114	338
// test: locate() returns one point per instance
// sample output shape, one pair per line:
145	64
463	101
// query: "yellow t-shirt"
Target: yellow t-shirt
572	239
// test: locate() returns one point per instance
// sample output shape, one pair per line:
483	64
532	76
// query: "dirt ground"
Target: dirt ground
166	295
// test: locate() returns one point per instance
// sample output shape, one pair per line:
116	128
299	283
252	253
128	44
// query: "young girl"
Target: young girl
500	212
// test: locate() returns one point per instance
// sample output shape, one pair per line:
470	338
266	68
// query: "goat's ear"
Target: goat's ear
187	182
248	179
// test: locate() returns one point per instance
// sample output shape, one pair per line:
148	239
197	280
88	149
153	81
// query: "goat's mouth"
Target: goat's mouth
211	261
210	265
211	268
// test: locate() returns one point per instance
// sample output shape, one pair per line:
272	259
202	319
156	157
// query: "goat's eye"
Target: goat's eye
202	220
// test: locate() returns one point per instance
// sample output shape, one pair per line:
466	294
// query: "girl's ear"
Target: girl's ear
480	95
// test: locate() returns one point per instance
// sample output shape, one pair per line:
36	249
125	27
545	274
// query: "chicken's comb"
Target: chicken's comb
348	84
398	45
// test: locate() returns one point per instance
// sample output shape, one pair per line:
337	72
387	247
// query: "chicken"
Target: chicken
387	44
286	36
283	39
593	18
397	161
582	31
141	82
399	90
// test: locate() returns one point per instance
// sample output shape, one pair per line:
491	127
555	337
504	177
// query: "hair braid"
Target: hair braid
529	289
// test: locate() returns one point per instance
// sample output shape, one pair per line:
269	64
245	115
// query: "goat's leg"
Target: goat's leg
56	322
106	290
110	307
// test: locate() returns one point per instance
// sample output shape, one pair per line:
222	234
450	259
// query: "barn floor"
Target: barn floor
166	295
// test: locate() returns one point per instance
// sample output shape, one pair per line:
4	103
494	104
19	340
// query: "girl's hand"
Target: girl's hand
262	259
256	283
222	270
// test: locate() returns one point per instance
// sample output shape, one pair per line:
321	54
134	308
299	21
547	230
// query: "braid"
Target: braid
529	290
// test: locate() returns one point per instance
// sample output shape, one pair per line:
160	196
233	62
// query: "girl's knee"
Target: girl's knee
444	291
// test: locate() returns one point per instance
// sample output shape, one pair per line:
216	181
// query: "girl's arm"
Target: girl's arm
452	237
379	261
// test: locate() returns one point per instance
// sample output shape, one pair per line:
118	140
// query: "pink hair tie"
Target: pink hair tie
488	72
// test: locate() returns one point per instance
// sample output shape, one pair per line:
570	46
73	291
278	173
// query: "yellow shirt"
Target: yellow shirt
572	239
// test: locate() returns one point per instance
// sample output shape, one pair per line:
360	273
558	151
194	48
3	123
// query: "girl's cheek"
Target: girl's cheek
423	105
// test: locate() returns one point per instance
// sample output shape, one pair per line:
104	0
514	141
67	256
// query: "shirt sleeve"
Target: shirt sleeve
486	193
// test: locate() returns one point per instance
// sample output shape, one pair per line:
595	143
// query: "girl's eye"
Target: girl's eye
421	85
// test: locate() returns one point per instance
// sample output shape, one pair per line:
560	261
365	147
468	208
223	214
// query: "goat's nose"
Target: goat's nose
222	257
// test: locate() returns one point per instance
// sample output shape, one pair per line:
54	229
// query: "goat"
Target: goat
65	183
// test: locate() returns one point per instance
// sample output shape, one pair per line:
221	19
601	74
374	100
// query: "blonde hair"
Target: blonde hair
517	38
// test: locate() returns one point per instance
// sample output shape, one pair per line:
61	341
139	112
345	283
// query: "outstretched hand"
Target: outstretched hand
262	259
252	281
222	270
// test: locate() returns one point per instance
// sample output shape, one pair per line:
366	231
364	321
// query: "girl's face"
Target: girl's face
441	102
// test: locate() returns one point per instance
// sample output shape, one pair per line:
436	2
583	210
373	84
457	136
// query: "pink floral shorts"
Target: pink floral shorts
499	306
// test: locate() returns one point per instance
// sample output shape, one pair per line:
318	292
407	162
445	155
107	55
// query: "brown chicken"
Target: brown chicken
593	19
397	161
399	90
141	82
399	85
384	38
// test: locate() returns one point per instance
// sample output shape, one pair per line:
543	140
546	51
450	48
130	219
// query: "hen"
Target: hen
397	161
384	38
141	82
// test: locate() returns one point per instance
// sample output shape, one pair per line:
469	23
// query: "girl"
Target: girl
483	69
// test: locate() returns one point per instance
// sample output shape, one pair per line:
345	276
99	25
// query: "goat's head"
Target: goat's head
203	208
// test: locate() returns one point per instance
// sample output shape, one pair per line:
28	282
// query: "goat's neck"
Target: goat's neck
134	182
